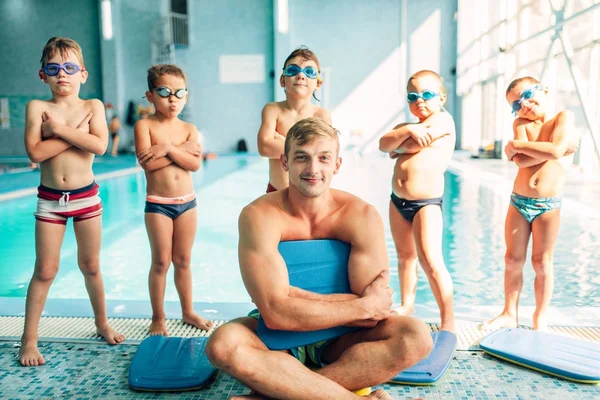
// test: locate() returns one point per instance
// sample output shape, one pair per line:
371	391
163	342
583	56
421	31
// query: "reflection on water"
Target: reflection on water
473	243
473	248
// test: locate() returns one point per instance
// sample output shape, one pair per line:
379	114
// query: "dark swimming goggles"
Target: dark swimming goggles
425	95
293	70
166	92
526	95
69	68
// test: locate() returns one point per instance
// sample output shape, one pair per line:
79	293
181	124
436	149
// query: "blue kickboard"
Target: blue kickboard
170	364
561	356
431	369
320	266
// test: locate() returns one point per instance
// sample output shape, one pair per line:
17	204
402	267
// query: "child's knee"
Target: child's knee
161	265
407	256
89	266
182	260
433	264
46	271
514	261
542	263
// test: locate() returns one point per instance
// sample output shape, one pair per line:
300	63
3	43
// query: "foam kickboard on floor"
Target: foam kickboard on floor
432	368
170	364
565	357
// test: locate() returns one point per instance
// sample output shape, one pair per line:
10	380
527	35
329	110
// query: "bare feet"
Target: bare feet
197	321
158	327
405	310
449	326
29	355
503	320
380	394
109	334
539	323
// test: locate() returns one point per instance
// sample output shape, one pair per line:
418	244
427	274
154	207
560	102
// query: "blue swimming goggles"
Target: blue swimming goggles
293	70
69	68
165	92
425	95
526	95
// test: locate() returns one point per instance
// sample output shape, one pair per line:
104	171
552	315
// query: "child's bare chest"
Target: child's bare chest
287	119
175	135
540	133
68	116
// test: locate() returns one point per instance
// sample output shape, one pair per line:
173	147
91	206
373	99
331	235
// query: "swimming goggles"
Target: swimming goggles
425	95
166	92
526	95
69	68
293	70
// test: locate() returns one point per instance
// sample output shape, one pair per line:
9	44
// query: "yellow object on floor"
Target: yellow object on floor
363	392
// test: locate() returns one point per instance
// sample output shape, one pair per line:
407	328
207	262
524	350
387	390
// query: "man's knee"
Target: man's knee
413	342
225	347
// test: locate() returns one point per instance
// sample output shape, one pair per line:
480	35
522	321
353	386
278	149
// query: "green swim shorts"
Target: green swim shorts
313	351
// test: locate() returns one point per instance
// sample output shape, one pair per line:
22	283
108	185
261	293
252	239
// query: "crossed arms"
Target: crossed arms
187	155
90	135
410	138
527	154
286	307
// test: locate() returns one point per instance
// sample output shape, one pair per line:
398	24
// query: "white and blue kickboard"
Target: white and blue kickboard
431	369
561	356
170	364
319	266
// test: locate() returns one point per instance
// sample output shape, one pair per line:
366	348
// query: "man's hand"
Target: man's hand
420	134
154	152
191	147
380	296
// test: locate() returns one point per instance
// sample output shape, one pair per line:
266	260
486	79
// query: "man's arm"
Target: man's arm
266	278
39	150
149	161
95	141
183	158
558	145
270	143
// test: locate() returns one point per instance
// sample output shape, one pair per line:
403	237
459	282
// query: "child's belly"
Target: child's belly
419	176
170	181
545	180
72	169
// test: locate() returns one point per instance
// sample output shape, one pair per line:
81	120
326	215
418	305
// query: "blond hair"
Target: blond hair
63	46
526	79
158	70
309	129
426	72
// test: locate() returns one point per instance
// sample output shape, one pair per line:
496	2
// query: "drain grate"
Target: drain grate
83	329
79	329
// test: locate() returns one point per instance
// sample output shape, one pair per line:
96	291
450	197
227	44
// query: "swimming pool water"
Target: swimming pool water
473	244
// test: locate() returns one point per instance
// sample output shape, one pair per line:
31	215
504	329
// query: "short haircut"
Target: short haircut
525	79
426	72
306	54
63	46
309	129
158	70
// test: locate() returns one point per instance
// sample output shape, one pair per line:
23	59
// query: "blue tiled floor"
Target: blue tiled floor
92	371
